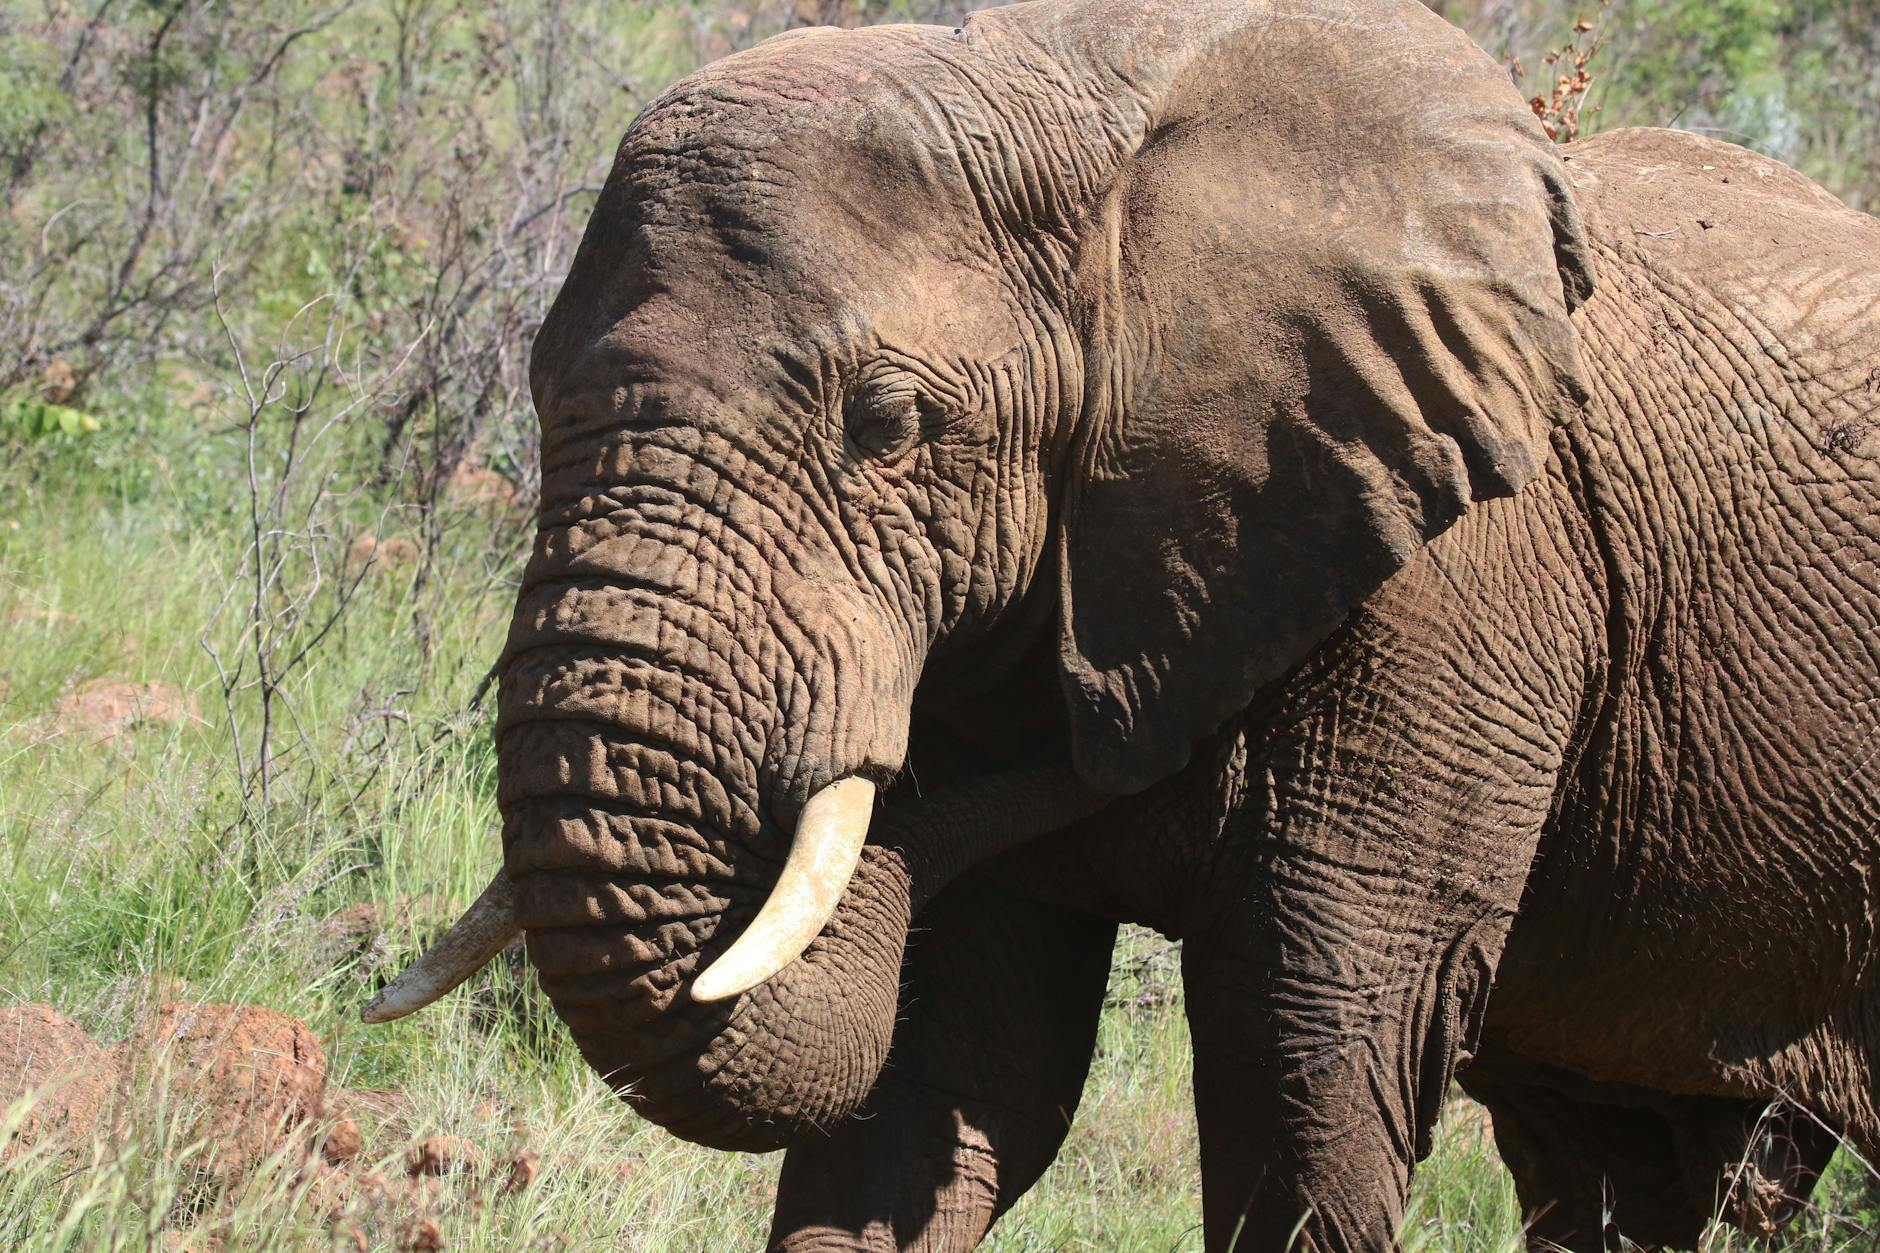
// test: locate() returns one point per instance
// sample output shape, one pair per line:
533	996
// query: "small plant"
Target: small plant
38	419
1560	110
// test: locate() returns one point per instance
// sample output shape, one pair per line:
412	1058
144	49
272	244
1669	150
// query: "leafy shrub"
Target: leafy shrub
37	419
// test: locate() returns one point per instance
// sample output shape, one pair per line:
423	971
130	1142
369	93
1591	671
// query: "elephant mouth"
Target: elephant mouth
824	852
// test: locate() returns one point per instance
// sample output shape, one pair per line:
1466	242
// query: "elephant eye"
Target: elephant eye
884	421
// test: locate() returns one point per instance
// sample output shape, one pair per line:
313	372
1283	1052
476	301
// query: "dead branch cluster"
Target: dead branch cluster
1561	106
332	225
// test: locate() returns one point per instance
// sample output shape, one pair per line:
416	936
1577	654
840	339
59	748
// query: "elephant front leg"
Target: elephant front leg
1001	1004
1338	963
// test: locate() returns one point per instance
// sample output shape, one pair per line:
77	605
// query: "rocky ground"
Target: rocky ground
249	1092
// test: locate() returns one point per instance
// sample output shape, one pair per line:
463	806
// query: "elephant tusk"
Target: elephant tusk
470	944
823	855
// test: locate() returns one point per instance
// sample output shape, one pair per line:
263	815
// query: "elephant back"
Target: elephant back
1742	277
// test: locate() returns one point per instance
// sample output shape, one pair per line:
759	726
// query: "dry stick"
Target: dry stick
269	637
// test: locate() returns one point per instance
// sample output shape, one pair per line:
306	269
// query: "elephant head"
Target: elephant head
1127	345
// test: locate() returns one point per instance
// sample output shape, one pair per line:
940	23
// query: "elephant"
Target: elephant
1212	464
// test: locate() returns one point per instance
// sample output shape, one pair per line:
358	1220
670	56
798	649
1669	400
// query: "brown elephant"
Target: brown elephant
1214	465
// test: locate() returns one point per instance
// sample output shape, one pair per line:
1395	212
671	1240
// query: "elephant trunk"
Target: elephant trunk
654	770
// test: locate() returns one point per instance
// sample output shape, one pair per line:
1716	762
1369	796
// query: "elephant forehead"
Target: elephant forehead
739	238
848	125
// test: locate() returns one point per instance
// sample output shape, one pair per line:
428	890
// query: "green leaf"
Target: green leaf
36	419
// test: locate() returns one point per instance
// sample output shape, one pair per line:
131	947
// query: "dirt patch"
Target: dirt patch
356	936
381	556
47	1054
24	615
243	1084
483	488
396	1213
58	382
329	1191
105	709
242	1078
378	1104
355	926
436	1156
523	1168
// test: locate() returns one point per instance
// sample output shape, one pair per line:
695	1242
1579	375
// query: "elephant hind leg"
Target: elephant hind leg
1585	1172
1781	1153
1593	1164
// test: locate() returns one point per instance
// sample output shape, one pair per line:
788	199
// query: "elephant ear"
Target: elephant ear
1324	288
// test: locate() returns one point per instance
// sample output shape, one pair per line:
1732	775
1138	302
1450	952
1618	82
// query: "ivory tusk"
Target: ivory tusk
470	944
823	854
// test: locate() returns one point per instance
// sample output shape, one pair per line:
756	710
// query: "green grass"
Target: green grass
129	874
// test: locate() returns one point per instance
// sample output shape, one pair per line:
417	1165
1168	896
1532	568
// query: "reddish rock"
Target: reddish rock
240	1079
483	488
342	1142
522	1171
422	1236
382	555
437	1156
354	925
45	1053
105	709
398	552
58	382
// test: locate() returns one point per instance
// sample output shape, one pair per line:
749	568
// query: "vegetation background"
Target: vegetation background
268	276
